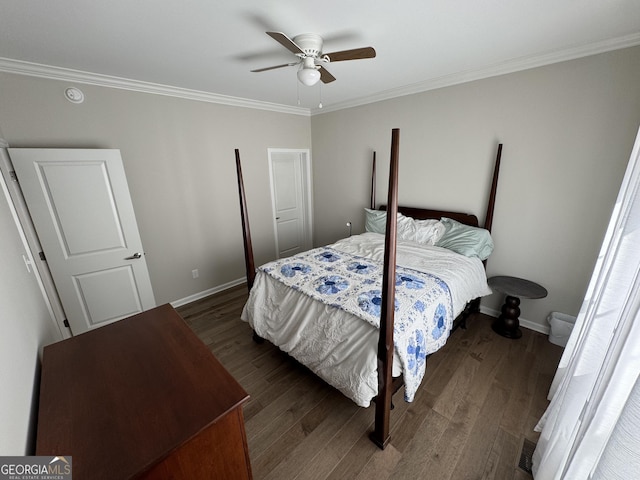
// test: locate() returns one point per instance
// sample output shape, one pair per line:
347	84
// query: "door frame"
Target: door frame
27	232
307	193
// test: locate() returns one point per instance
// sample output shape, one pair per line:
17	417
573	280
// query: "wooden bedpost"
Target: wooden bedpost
474	305
488	219
380	436
246	233
373	183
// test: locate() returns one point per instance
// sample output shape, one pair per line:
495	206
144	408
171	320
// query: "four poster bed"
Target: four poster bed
333	308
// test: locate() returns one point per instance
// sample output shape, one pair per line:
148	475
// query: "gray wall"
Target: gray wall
179	159
567	131
26	327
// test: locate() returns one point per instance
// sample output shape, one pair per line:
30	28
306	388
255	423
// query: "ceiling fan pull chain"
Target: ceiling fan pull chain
320	104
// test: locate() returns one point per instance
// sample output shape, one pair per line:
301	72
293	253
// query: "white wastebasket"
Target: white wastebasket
561	326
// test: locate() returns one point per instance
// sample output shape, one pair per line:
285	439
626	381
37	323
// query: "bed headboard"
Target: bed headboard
425	214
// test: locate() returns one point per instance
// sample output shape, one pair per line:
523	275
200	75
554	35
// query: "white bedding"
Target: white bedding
338	346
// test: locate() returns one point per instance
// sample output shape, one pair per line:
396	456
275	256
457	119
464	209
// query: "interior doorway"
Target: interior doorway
291	198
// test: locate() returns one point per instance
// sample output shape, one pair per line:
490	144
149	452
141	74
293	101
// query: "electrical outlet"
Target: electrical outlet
195	273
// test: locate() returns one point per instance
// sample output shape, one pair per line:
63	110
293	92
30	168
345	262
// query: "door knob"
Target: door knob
135	256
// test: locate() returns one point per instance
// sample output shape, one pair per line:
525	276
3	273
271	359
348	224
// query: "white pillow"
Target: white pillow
427	232
405	229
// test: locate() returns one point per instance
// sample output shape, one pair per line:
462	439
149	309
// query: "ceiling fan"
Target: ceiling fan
308	48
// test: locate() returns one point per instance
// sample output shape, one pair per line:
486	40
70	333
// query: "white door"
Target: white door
80	204
291	198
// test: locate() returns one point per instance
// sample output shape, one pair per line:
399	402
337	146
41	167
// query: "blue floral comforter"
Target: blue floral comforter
423	304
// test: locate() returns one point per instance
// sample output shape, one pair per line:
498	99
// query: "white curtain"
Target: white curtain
594	407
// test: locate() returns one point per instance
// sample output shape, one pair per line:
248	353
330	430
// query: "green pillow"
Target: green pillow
375	221
466	240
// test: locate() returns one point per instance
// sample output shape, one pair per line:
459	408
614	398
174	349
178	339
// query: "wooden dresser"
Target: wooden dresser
142	398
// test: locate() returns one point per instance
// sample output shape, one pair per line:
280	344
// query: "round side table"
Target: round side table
508	324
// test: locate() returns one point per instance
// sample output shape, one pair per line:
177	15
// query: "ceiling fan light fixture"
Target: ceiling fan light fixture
308	76
307	47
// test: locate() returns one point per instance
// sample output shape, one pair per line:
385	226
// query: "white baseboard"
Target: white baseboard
206	293
536	327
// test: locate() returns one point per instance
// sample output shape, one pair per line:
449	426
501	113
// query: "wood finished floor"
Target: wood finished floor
481	396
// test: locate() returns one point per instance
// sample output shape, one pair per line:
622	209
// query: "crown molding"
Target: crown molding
502	68
20	67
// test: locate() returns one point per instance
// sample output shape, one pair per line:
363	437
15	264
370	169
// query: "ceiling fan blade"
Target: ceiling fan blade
275	66
354	54
325	76
285	41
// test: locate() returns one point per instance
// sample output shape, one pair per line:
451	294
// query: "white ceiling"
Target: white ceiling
210	45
